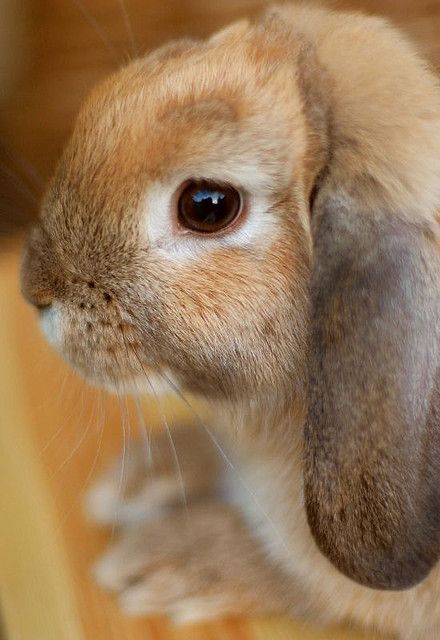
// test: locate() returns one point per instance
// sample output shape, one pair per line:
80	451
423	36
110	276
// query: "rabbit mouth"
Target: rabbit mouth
106	351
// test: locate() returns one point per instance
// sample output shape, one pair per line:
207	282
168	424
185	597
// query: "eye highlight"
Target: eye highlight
206	206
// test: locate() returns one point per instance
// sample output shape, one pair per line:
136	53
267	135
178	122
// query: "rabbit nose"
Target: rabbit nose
35	284
41	299
38	283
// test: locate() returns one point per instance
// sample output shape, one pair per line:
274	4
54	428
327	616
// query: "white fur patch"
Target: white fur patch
51	326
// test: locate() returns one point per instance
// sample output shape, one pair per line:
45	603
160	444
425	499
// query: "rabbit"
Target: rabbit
254	219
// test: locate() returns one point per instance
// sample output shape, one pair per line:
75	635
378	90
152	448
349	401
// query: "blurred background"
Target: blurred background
54	432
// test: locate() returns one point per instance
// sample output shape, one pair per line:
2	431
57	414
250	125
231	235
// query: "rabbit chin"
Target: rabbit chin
149	383
126	380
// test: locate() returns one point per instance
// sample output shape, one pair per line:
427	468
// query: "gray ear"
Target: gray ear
372	438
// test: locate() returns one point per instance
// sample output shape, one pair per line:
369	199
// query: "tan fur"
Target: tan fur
304	107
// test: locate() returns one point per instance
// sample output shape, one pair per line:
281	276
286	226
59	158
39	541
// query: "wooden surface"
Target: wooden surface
54	432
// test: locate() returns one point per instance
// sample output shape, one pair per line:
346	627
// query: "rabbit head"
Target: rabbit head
125	282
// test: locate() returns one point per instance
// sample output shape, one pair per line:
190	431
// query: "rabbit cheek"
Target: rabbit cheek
102	344
228	331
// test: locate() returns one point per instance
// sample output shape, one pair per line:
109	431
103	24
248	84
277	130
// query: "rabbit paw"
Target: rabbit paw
193	564
151	477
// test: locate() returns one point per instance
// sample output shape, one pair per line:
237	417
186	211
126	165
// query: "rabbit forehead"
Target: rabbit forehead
204	106
110	176
190	133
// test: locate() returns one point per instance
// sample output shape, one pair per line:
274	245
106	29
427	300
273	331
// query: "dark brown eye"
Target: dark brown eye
208	207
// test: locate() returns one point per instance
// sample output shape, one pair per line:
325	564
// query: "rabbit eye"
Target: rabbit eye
207	207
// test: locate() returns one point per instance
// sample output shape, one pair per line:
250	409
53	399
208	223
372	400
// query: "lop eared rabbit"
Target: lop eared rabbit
255	219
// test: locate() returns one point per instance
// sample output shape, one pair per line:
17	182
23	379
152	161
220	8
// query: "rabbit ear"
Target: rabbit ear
372	437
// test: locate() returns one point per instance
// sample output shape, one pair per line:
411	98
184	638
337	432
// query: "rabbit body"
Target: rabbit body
312	325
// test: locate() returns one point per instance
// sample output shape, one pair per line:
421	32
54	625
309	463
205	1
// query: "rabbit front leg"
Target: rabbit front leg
195	563
152	476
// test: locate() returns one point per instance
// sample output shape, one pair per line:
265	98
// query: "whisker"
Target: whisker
100	426
146	437
128	452
128	27
76	447
19	183
148	460
213	439
173	449
18	160
166	425
125	426
62	425
94	24
122	409
227	460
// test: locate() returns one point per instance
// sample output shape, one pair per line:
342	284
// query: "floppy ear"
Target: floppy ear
372	437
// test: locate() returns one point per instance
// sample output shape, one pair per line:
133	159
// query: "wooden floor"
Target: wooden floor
55	434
